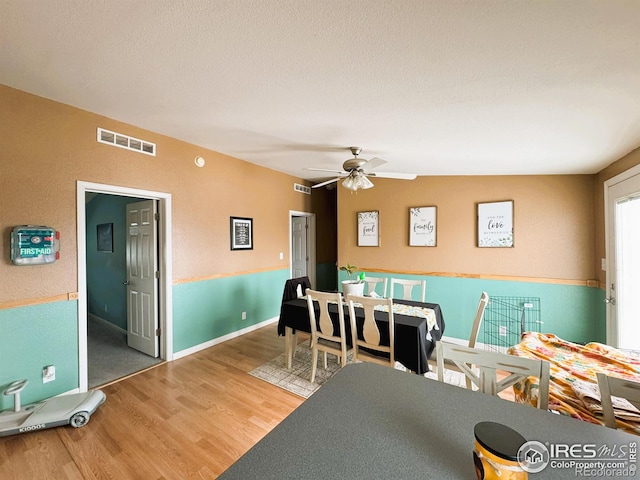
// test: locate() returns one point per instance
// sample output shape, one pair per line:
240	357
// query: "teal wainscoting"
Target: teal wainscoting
574	313
34	337
208	309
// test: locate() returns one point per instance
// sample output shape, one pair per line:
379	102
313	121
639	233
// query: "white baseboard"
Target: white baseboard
224	338
106	323
460	341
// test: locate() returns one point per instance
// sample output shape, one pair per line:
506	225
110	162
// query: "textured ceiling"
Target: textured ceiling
434	87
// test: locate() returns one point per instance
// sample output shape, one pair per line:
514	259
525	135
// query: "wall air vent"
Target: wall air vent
302	188
124	141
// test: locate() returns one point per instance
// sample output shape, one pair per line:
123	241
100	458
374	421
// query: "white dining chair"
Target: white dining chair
323	337
616	387
407	288
372	284
371	337
487	363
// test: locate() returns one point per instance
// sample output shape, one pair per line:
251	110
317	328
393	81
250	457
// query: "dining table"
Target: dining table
417	327
374	422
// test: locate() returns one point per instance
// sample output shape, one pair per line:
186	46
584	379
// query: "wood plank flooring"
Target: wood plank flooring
191	418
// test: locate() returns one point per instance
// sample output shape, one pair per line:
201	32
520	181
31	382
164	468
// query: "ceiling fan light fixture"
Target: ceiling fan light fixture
357	181
365	183
349	183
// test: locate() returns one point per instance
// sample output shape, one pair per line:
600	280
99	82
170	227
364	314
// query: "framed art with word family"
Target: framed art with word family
368	232
495	224
422	227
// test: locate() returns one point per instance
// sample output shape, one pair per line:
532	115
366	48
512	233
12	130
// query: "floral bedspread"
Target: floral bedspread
573	389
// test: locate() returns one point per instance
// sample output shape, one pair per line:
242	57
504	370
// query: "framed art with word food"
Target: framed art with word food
368	232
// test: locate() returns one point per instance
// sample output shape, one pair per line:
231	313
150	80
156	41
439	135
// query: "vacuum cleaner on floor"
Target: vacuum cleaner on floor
74	410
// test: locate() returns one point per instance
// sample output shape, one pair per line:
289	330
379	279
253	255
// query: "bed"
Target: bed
573	388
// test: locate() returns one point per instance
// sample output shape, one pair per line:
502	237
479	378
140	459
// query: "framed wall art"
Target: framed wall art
422	227
105	237
241	233
368	232
495	224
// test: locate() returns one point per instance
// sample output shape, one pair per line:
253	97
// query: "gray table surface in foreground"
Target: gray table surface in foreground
371	422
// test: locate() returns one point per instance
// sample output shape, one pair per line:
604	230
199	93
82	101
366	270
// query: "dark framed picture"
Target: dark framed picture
241	233
105	237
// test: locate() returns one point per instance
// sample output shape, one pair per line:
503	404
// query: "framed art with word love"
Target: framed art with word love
495	224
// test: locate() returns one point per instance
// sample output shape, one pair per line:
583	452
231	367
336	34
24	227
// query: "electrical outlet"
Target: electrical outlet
48	373
502	331
244	315
281	256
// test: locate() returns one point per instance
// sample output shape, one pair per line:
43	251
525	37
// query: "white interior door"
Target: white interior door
299	257
623	260
142	284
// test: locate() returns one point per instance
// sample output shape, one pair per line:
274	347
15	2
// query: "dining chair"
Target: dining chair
475	327
488	363
323	336
367	342
407	288
477	320
293	288
612	387
372	283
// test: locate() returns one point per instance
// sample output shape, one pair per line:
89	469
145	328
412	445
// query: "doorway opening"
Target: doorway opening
162	271
622	227
302	245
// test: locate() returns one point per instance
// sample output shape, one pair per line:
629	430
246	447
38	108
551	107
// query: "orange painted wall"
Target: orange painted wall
48	146
553	226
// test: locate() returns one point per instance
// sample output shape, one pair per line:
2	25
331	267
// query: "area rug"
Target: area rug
297	381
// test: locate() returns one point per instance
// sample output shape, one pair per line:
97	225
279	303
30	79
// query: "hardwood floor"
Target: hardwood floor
191	418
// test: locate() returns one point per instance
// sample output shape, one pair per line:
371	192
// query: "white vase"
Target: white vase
352	287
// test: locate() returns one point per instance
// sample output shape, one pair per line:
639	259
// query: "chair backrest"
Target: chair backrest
295	287
487	363
371	334
475	328
616	387
407	288
321	324
371	284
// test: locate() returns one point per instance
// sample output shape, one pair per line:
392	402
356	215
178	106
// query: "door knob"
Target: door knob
126	283
611	300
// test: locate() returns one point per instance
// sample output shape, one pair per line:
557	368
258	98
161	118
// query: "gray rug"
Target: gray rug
109	356
297	381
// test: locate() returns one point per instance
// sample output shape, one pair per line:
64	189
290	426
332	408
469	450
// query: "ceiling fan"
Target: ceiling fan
357	170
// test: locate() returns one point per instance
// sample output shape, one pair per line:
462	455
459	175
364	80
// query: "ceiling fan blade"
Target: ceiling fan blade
375	162
398	176
326	183
340	172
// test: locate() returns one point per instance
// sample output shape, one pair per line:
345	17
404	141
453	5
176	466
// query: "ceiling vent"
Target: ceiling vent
302	188
124	141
